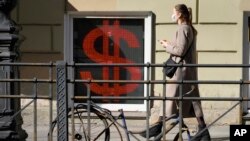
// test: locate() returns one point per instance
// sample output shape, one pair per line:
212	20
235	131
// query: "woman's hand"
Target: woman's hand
164	43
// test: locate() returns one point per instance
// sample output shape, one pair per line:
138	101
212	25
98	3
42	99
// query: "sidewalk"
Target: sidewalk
218	133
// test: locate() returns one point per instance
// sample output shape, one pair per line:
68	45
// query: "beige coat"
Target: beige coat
184	38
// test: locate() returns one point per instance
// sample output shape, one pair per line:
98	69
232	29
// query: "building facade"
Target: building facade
223	38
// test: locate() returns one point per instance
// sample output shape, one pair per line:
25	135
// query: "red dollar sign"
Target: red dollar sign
88	45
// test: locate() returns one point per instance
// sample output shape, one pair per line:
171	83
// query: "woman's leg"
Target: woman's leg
198	113
170	106
204	136
171	91
156	128
201	121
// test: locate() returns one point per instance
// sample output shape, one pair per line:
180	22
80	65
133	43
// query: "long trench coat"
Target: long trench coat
184	39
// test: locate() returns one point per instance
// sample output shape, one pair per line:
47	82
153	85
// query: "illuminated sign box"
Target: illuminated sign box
109	38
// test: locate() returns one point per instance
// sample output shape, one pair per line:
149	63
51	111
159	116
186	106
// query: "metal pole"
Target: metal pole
35	112
180	107
62	101
50	101
164	106
147	101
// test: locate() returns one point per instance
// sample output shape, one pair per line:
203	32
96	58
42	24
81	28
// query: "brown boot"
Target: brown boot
154	130
204	136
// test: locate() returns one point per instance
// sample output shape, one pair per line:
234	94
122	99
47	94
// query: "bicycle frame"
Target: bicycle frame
113	120
125	128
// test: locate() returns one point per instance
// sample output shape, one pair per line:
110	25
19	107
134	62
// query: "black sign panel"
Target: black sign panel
109	41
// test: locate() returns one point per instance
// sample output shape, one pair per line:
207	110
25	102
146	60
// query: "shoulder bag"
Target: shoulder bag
168	68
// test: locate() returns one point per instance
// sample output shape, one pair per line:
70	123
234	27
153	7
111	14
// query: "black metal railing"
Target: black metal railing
58	92
164	82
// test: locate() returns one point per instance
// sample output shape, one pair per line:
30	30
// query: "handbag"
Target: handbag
169	71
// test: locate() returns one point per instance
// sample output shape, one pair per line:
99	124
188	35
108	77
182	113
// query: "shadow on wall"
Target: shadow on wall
70	7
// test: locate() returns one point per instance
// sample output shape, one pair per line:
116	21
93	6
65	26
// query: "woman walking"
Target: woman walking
183	45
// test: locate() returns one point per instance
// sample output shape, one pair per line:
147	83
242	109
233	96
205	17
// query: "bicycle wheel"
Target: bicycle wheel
89	127
78	131
115	133
113	124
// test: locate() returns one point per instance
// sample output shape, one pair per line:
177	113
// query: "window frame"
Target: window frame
148	42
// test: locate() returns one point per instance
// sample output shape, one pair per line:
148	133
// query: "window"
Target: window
109	38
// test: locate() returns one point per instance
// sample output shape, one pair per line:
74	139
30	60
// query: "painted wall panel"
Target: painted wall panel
37	38
41	11
57	39
92	5
244	5
162	8
213	11
218	37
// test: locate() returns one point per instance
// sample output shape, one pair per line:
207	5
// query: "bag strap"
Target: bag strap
186	52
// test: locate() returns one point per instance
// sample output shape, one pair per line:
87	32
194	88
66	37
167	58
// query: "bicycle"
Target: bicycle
99	123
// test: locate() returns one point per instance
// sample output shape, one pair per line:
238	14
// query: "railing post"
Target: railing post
10	125
62	101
